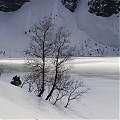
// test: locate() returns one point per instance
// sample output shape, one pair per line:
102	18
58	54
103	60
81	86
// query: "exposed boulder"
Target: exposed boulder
104	8
70	4
11	5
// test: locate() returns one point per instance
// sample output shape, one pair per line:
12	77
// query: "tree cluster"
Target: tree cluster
49	77
11	5
104	8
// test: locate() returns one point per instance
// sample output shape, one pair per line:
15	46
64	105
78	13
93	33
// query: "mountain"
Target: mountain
100	33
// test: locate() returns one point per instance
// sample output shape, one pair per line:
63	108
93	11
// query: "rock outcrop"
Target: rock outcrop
11	5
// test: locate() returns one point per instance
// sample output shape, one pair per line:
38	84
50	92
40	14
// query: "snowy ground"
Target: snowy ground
101	74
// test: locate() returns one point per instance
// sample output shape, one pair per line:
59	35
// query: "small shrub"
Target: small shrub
16	81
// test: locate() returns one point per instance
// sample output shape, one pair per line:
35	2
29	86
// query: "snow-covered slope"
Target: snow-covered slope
102	102
16	103
102	29
82	24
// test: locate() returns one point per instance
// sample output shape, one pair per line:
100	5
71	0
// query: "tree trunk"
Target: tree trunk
40	94
56	74
49	95
66	105
43	69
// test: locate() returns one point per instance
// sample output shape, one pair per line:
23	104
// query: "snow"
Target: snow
102	29
17	103
81	24
101	74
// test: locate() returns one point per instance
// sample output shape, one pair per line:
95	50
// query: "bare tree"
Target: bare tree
51	43
40	47
70	90
76	90
62	88
62	53
30	81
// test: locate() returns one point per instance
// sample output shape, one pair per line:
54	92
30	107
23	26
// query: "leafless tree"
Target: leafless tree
70	90
40	47
29	80
62	53
61	86
61	89
76	90
51	43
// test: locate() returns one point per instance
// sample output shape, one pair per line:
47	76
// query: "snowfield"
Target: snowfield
101	74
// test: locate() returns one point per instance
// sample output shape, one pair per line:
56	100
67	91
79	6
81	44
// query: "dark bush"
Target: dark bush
16	81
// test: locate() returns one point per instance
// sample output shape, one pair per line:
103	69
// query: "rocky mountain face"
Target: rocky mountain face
11	5
104	8
70	4
91	35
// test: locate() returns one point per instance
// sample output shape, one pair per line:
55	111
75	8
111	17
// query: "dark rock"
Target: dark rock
104	8
11	5
70	4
